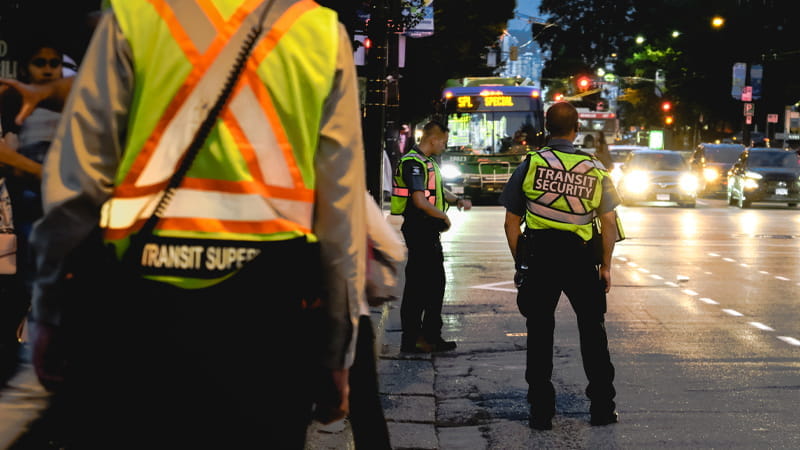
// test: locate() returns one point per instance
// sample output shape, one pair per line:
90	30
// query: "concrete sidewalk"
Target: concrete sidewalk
406	386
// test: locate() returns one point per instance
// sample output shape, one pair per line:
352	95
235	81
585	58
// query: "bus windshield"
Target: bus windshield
488	133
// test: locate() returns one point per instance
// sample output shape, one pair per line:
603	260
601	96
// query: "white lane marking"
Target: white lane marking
682	278
516	334
764	272
657	277
689	292
744	265
761	326
729	259
781	278
707	273
632	264
643	270
789	340
493	287
733	312
708	300
713	254
622	258
671	284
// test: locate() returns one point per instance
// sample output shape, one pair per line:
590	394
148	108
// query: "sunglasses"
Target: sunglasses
41	62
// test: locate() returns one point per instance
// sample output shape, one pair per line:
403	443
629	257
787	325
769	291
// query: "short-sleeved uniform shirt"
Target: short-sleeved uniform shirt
514	200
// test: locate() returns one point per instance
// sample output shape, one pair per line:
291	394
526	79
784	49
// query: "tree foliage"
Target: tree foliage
697	62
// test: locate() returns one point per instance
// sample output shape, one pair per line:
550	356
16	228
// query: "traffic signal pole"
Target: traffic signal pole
375	101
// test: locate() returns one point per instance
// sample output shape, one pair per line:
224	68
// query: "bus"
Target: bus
492	128
592	122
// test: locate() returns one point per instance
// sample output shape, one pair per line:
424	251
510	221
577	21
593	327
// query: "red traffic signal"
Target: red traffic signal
558	97
666	106
584	83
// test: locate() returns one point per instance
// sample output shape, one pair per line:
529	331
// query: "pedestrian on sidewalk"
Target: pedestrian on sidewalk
215	335
420	197
554	255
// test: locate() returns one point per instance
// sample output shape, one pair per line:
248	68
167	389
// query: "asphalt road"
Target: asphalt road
703	324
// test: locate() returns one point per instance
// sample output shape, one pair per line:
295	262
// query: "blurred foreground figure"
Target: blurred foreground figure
213	319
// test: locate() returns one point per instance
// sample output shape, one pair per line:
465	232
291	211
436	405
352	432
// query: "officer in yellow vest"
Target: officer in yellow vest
556	194
419	196
223	336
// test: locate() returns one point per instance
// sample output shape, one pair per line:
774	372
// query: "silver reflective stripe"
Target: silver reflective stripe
548	198
195	23
583	167
559	216
576	204
552	159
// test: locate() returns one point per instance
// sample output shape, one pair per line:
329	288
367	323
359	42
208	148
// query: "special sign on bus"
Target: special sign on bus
492	100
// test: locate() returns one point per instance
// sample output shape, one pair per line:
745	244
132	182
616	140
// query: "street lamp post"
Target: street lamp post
375	100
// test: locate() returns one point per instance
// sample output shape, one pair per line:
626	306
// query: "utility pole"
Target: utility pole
375	102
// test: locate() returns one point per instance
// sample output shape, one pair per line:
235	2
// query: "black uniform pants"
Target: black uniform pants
230	366
421	309
559	262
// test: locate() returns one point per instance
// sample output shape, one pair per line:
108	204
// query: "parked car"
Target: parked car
765	175
711	163
657	176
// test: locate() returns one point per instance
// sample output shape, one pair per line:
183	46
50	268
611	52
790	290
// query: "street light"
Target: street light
717	22
640	39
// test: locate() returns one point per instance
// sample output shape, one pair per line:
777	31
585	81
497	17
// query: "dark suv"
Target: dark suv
711	163
765	175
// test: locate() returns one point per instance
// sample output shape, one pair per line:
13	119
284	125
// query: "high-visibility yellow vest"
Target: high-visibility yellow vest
434	191
563	191
253	181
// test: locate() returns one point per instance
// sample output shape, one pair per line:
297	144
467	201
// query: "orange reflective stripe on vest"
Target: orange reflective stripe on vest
212	205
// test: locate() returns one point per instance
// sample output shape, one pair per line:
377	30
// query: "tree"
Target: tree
697	61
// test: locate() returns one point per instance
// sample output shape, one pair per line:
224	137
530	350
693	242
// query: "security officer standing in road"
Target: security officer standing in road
418	194
556	193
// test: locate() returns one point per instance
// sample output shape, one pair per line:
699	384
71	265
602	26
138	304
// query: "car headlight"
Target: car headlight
688	183
616	174
710	174
636	182
450	172
753	175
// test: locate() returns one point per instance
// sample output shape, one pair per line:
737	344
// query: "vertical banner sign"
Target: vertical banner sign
739	76
422	10
756	78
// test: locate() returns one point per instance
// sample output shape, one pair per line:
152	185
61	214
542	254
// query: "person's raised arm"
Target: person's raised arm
50	95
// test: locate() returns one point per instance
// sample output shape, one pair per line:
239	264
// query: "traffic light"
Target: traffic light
668	120
584	83
558	97
666	106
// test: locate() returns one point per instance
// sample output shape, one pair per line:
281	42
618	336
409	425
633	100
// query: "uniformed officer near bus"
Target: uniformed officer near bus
418	194
555	194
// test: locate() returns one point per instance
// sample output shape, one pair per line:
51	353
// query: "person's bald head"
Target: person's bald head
561	120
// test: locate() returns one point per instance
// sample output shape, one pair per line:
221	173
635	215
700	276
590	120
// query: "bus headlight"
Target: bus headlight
710	174
636	182
450	172
688	183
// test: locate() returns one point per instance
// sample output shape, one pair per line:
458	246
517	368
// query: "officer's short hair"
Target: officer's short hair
561	119
432	126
